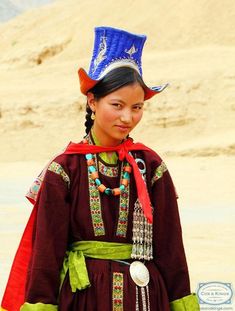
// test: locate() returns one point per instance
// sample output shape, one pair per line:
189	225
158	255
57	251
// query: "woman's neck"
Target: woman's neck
100	141
108	157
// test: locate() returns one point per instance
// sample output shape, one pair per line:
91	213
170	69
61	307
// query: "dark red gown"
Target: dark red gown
71	209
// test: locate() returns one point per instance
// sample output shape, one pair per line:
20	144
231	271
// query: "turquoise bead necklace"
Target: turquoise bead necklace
91	163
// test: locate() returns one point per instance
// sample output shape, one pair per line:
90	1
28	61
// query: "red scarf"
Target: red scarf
123	153
14	295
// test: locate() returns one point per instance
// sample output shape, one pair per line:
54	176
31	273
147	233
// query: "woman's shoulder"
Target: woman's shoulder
149	155
152	161
64	160
58	169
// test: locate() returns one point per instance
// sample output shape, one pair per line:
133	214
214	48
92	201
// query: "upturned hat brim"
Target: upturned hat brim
86	84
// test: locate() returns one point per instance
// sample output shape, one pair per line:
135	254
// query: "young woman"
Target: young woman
105	231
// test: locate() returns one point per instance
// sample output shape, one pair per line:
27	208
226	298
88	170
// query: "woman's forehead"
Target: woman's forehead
132	92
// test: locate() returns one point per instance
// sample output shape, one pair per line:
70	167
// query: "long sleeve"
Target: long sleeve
169	253
50	241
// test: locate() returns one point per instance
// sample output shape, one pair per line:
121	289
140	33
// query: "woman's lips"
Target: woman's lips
123	128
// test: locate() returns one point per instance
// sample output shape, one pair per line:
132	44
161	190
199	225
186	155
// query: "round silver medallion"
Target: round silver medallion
141	165
139	273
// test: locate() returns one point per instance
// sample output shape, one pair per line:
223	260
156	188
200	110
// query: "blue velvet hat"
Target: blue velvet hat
114	48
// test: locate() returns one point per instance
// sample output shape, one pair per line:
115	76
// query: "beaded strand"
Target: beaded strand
101	187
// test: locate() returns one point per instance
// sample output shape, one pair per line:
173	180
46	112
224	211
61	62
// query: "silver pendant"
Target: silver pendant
139	273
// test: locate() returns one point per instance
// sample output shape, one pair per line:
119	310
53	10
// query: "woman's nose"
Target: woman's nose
126	116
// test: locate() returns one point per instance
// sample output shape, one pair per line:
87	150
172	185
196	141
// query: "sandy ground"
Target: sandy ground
191	45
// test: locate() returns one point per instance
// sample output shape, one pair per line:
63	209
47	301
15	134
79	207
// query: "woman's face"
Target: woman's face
117	113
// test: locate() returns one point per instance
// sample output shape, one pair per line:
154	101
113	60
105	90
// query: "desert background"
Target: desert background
191	45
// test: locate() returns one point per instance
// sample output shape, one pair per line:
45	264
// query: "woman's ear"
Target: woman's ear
91	101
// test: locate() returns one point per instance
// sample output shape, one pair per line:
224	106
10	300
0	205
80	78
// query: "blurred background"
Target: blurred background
191	45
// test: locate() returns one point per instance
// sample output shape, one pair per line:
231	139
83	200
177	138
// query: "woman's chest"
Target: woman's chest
96	215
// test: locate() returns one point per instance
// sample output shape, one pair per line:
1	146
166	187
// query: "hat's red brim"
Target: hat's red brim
86	83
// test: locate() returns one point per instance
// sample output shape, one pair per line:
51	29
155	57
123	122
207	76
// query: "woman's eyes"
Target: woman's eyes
119	106
138	107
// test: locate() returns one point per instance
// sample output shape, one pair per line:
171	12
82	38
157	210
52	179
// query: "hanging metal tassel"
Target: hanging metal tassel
136	299
148	299
145	301
142	249
142	237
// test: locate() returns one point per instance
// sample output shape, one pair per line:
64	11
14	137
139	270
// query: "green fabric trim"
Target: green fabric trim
38	307
109	158
158	172
186	303
58	169
75	263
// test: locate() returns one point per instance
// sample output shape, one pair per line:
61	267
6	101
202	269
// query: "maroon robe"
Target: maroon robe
65	215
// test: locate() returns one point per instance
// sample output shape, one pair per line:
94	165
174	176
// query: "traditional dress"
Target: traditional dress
72	209
86	248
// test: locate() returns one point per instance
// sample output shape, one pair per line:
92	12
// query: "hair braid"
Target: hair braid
88	122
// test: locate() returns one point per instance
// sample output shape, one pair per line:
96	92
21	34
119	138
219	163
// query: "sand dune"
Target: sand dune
190	45
169	26
195	113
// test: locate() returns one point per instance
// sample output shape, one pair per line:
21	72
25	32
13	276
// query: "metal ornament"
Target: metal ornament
142	249
139	273
93	116
142	166
142	237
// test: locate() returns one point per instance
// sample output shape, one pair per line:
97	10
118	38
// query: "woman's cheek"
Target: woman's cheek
112	115
138	117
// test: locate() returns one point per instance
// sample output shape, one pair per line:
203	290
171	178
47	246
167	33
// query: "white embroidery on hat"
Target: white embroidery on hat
131	51
117	63
101	55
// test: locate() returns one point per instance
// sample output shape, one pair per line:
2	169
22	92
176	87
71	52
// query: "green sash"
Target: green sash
75	263
186	303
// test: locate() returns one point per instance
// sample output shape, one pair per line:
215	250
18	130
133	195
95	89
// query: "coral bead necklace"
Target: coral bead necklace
91	163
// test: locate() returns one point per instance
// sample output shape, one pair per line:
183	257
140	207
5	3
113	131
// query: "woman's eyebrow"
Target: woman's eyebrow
118	100
140	103
123	102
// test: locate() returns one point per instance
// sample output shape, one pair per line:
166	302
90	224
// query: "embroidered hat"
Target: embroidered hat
114	48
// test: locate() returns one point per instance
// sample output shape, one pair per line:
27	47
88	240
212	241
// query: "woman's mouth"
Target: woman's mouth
123	128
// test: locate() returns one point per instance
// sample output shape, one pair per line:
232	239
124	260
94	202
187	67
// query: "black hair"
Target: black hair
111	82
